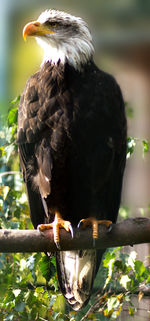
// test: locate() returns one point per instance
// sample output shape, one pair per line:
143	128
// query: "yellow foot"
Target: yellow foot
91	221
56	225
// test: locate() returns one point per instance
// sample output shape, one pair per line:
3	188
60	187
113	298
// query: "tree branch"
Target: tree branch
128	232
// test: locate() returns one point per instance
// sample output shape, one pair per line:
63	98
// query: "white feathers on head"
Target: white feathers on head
71	41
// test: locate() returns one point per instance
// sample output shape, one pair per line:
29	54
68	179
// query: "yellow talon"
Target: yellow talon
94	223
56	225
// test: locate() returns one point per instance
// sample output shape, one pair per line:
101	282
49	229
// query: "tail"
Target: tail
76	272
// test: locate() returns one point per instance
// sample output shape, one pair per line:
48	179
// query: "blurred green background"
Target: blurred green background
113	24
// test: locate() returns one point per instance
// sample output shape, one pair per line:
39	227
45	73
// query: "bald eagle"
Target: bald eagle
72	144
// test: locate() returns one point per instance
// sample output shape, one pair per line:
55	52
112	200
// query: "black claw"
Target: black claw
94	242
58	245
38	228
110	227
79	224
71	231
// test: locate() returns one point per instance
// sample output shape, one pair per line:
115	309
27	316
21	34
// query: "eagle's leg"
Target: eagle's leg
56	225
91	221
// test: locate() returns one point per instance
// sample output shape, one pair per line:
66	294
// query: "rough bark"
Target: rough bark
127	232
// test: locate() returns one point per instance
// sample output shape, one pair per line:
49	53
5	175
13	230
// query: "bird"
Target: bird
72	145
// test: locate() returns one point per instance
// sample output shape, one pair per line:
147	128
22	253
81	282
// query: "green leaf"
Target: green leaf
40	289
2	134
108	256
59	305
124	212
12	116
112	303
2	151
145	146
131	259
148	279
16	100
52	300
127	298
124	281
129	111
142	211
9	317
131	143
139	268
131	311
47	268
9	297
16	292
53	261
20	307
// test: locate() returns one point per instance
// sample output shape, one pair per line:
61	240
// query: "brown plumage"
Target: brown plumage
72	148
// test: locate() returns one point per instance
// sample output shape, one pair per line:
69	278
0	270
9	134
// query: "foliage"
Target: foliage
28	283
125	276
129	110
131	144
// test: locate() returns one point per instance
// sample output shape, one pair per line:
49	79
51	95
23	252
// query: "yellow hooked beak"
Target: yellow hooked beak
35	28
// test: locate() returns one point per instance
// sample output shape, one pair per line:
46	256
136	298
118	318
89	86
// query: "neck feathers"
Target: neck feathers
75	51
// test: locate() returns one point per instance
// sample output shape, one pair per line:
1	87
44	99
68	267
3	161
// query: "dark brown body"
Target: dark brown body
72	143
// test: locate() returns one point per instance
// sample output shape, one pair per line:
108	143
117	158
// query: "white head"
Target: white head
63	37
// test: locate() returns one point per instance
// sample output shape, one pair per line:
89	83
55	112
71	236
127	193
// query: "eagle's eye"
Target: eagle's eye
51	24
